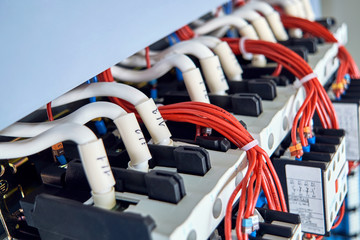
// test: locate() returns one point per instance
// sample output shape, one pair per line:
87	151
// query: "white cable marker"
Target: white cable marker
298	83
214	75
134	141
195	86
154	122
98	172
250	145
242	47
229	63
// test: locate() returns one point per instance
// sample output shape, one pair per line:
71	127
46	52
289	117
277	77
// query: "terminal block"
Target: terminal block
277	226
315	187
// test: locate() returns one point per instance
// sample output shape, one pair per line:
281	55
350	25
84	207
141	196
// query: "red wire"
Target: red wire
147	57
277	70
347	63
49	112
340	217
316	97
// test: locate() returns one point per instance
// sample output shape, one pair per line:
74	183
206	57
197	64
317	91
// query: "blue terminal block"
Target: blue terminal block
312	140
306	148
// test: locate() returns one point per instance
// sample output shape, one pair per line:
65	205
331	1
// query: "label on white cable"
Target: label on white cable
305	194
348	117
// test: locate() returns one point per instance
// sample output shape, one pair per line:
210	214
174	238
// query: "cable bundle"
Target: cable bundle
261	173
185	33
347	63
316	97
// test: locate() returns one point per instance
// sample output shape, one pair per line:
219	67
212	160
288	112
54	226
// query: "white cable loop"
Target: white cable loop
80	116
242	48
250	145
298	83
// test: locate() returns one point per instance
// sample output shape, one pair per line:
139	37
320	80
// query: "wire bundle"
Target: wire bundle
316	97
185	33
347	63
261	173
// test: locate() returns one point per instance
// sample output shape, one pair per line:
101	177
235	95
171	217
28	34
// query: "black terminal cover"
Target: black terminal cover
64	219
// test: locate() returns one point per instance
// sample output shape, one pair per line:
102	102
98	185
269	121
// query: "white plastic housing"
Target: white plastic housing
276	26
195	86
154	122
214	75
228	61
134	140
263	30
98	171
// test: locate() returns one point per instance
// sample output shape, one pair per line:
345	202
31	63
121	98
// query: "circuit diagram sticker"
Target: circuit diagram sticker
305	195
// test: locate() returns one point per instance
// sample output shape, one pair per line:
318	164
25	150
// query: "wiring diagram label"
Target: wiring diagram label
304	187
348	117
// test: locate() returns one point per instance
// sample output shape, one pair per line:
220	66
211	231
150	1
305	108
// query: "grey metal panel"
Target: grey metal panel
48	47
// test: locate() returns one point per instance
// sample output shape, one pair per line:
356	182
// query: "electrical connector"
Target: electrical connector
247	225
296	150
255	222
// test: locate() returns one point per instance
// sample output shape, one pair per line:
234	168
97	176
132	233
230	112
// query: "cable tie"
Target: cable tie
250	145
338	43
298	83
246	54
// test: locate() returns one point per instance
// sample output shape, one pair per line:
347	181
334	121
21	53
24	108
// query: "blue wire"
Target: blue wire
179	75
100	125
228	10
92	99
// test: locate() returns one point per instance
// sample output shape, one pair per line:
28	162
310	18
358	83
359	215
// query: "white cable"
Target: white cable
148	112
259	23
92	154
113	89
250	145
245	30
227	58
127	125
300	8
310	15
298	83
136	61
272	16
192	77
67	131
220	32
209	41
292	8
240	24
189	47
180	61
210	63
81	116
260	6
